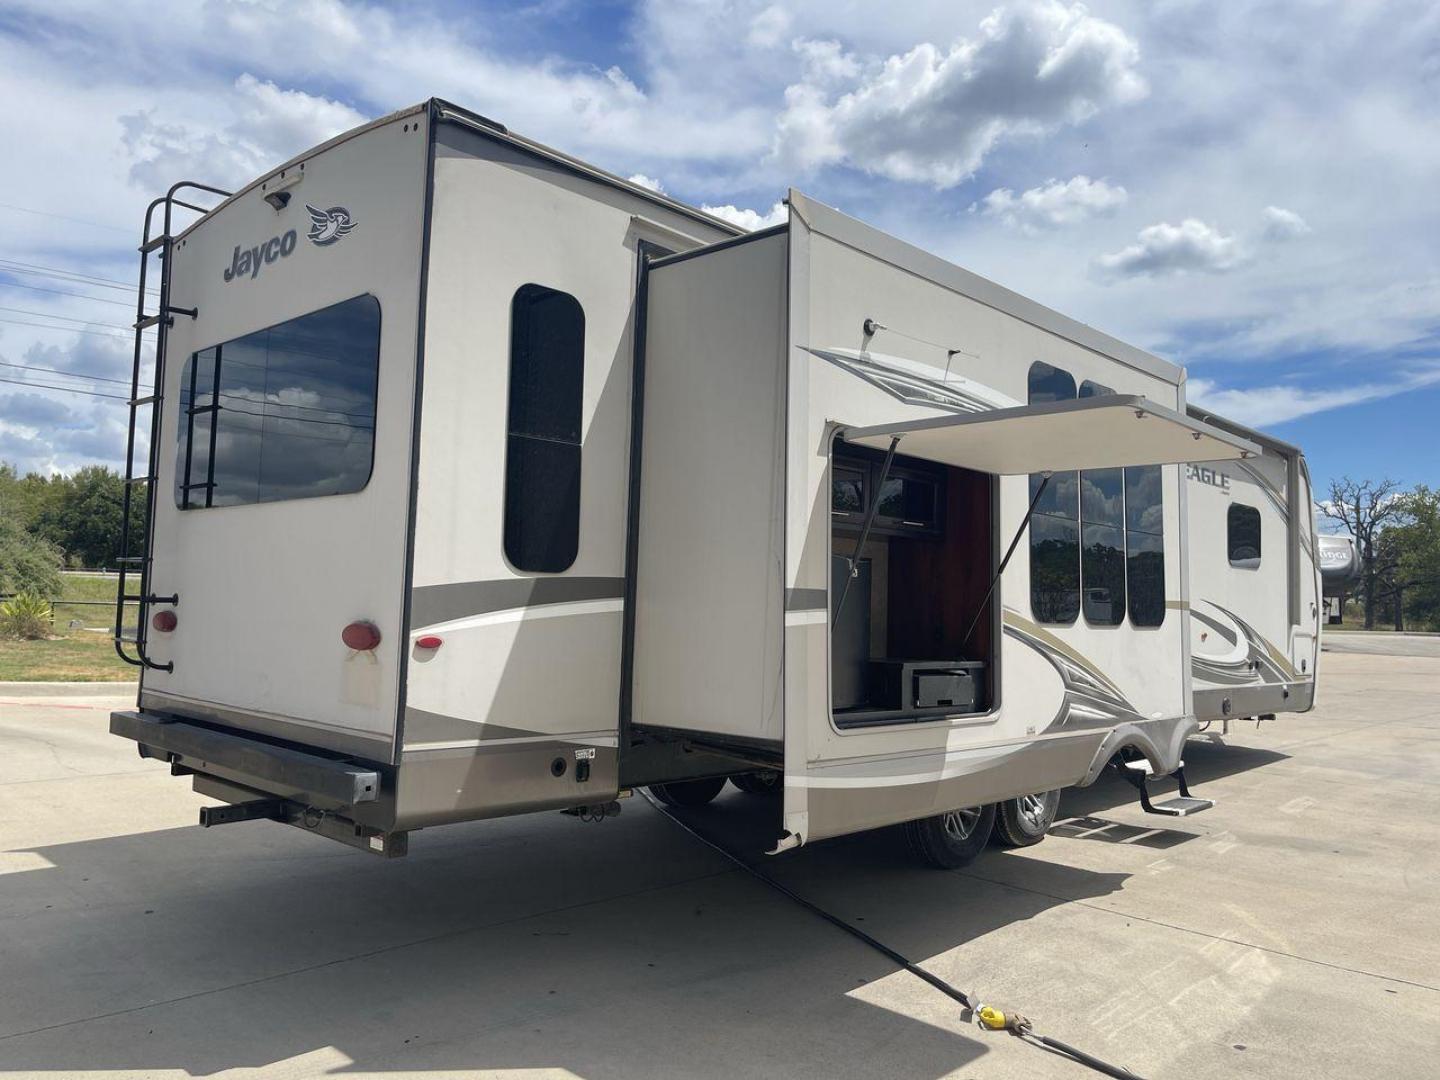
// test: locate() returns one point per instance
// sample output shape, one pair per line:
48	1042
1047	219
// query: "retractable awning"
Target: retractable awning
1088	433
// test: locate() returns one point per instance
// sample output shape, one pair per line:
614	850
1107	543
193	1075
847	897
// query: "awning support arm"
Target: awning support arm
995	580
865	529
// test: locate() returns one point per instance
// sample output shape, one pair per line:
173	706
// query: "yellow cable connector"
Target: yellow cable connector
996	1020
992	1018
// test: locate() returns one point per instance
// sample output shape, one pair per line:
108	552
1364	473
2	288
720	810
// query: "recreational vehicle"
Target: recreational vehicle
481	481
1255	595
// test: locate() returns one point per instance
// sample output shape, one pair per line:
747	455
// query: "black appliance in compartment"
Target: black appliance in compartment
928	684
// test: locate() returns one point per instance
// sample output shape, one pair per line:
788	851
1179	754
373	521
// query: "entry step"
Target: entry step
1139	775
1180	806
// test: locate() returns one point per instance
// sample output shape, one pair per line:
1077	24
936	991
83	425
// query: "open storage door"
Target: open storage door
924	726
1088	433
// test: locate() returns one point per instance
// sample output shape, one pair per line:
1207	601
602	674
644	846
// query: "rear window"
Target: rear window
283	413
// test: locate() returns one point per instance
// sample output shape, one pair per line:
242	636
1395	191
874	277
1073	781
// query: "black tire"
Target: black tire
951	840
1024	822
687	793
760	782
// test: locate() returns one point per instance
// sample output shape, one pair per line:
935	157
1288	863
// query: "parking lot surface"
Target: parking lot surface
1294	930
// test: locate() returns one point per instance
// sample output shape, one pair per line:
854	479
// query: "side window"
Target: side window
287	412
1102	536
542	450
1102	546
1145	545
1243	536
1055	526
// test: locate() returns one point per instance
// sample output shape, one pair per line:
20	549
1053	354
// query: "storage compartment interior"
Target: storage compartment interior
906	643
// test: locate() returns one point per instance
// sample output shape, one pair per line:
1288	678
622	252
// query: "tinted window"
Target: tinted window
1145	545
847	491
1243	535
542	454
1055	528
908	500
1102	546
283	413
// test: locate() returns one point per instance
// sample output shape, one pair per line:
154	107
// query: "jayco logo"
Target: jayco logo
246	262
326	227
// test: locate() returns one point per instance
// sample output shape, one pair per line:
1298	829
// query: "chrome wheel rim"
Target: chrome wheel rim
1033	811
960	824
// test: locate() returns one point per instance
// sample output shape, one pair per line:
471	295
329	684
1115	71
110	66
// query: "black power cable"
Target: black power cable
1016	1025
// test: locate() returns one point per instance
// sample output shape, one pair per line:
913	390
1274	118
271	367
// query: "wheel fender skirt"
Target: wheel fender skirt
1161	742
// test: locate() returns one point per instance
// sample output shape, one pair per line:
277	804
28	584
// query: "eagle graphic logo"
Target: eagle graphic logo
327	226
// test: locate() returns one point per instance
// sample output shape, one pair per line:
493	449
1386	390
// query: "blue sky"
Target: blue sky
1249	190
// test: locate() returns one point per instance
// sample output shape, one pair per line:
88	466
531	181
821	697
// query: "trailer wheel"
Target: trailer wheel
688	792
1025	821
759	782
951	840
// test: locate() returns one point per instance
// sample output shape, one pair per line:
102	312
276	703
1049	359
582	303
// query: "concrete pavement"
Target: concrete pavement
1381	643
1291	931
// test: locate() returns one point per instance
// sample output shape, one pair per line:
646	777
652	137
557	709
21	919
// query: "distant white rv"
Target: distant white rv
481	481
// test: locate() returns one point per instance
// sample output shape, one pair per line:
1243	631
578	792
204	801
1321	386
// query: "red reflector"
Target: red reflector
429	642
361	636
164	621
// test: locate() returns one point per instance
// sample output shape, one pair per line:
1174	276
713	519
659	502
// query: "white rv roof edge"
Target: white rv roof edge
854	233
1268	441
304	155
449	112
458	114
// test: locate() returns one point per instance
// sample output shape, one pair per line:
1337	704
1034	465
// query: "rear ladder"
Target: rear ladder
137	563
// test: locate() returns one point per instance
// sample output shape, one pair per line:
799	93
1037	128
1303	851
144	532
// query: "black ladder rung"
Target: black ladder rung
151	245
146	400
196	410
150	320
202	484
138	479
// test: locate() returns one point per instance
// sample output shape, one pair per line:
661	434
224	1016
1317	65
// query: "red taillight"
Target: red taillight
164	621
430	641
361	636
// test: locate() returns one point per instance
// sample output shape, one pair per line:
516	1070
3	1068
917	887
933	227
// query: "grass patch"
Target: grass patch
74	654
81	656
102	589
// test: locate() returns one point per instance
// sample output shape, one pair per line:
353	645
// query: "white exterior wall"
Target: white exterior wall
710	586
1255	642
835	286
265	589
502	219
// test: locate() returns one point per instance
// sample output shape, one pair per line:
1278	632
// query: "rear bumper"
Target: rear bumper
278	769
1261	699
343	800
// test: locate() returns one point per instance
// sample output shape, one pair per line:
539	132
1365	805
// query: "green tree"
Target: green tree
1413	549
27	563
83	516
1368	508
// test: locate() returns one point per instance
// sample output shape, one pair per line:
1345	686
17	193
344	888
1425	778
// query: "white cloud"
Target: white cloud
648	182
1282	224
749	219
1258	406
826	62
267	126
933	113
1191	246
1054	204
768	27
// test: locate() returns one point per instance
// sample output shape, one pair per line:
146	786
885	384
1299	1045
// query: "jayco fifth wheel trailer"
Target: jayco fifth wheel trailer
1255	590
484	482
